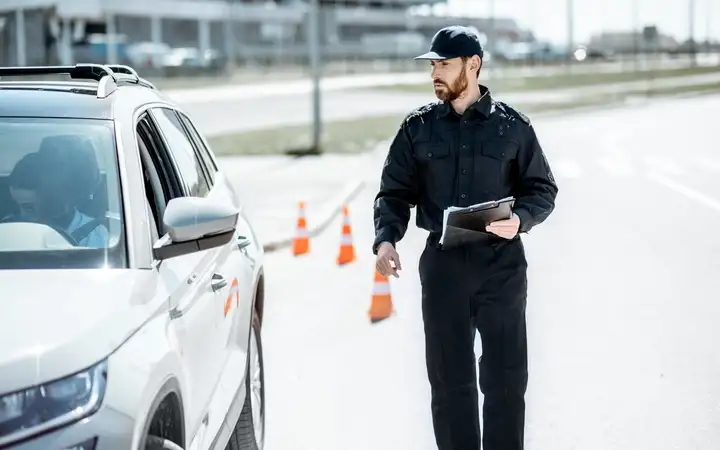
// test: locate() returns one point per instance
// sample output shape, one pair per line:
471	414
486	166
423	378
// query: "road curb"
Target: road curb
326	217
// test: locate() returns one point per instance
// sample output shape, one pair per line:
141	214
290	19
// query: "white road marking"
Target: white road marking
684	190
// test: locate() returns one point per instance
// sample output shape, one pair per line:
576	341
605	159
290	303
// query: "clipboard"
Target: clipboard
467	225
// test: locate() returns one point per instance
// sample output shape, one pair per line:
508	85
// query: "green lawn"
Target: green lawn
352	136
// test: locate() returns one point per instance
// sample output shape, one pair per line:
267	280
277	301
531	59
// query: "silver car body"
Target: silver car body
174	329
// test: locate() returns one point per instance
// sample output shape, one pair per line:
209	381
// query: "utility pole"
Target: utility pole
570	31
636	35
315	65
111	35
229	37
20	39
708	15
693	49
491	36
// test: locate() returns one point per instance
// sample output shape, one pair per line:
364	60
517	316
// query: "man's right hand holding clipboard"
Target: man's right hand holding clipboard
469	224
506	228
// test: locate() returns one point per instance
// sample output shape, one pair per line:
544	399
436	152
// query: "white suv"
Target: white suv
131	283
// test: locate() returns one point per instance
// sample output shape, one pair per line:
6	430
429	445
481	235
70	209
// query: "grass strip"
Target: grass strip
567	80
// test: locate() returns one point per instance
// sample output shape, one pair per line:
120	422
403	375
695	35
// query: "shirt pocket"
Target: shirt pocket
437	169
494	164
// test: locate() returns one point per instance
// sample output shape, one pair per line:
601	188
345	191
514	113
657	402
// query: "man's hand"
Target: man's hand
388	260
505	228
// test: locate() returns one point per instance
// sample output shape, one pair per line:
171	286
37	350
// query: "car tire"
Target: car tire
249	431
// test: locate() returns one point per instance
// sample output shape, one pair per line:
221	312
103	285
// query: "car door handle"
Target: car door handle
218	282
242	242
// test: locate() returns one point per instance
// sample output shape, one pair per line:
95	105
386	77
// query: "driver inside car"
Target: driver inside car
48	186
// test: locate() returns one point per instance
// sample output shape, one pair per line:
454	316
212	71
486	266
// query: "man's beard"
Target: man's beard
449	93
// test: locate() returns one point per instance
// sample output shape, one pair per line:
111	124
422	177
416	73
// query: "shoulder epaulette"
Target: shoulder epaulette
513	112
419	112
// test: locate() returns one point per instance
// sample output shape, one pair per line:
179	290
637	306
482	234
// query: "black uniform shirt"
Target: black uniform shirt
439	158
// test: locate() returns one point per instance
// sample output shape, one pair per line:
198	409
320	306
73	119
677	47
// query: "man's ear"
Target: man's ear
475	64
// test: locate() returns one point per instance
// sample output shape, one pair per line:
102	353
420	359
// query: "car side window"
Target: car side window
159	178
183	152
202	150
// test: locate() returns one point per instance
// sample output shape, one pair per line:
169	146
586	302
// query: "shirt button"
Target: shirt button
429	154
464	171
464	146
463	196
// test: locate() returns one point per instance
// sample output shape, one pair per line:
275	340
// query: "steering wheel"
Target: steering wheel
60	231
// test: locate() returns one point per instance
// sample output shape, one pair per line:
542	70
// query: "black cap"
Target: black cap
454	42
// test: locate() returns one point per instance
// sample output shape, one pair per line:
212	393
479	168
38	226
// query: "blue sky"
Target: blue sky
547	18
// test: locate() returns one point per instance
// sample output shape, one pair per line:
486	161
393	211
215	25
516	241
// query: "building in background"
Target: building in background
203	34
650	40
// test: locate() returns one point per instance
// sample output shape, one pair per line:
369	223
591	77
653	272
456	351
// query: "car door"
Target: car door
239	268
195	281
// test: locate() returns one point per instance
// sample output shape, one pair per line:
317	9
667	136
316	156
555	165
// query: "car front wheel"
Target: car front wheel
249	432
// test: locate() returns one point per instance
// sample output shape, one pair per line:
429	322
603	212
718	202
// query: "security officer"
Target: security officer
465	149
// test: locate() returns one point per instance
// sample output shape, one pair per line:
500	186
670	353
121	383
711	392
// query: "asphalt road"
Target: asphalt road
221	109
622	310
232	115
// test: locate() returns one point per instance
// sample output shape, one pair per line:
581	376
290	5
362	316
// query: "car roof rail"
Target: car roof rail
78	71
105	75
121	68
127	70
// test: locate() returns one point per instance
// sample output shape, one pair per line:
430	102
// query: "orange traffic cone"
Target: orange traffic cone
381	306
301	242
347	249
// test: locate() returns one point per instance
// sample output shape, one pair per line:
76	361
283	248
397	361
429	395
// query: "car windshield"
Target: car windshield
59	195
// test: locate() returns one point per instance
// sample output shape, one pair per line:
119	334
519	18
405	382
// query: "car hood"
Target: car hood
56	322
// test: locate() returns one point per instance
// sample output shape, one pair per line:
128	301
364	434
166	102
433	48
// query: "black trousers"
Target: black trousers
480	287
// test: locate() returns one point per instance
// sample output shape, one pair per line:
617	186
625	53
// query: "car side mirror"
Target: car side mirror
195	224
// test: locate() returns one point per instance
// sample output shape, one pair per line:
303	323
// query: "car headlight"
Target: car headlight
57	403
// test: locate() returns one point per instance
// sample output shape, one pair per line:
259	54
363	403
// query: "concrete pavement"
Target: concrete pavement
271	187
621	316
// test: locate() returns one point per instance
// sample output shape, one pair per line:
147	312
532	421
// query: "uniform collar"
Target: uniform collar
483	105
